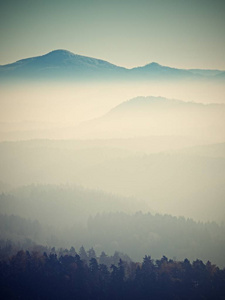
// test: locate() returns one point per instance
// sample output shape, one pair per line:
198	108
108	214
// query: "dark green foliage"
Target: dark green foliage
33	275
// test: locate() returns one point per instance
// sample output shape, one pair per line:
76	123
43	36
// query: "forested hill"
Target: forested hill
46	276
134	234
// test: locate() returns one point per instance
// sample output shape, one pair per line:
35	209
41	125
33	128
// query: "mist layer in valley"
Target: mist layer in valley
33	110
129	160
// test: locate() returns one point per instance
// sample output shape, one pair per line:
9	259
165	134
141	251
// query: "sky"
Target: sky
129	33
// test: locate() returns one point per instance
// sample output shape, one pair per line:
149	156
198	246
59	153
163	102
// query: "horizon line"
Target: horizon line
138	66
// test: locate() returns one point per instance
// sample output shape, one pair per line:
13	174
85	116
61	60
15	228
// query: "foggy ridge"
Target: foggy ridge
146	116
188	182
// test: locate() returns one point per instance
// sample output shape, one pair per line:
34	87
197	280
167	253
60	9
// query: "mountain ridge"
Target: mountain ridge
147	116
59	54
158	100
65	64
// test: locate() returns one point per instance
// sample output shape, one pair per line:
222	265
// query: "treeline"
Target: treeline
9	248
16	228
32	275
62	205
175	237
135	234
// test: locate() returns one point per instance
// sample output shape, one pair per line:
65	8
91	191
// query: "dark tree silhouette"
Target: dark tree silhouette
32	275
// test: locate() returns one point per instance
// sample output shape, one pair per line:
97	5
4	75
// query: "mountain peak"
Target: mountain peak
154	65
64	64
60	52
142	103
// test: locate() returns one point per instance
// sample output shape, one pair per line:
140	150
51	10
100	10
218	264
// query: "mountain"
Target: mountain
60	64
209	73
138	117
147	116
155	70
220	75
147	104
63	64
187	182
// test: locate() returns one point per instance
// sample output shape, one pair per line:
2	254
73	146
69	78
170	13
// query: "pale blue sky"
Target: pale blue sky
179	33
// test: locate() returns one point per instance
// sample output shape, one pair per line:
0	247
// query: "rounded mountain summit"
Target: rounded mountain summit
63	64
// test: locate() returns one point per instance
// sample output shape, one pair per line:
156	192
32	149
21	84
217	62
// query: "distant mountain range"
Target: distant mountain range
146	105
145	116
62	64
137	117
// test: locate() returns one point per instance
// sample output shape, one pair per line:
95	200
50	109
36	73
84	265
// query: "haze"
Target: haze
119	144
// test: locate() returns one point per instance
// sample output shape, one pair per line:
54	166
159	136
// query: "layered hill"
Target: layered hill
158	116
188	182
